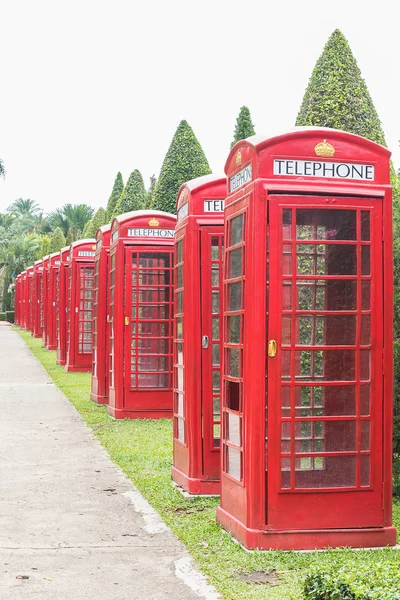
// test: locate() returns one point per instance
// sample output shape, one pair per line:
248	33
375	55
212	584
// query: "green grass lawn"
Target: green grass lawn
143	449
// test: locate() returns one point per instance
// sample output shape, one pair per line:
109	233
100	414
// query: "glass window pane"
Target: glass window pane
179	398
235	296
365	295
215	302
236	230
233	362
286	330
235	263
215	328
365	260
365	330
338	471
215	354
325	224
287	224
286	296
233	329
364	400
233	429
365	226
364	365
233	460
181	430
179	353
179	328
216	382
365	470
179	249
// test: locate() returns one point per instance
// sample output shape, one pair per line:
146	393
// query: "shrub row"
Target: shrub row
7	316
379	581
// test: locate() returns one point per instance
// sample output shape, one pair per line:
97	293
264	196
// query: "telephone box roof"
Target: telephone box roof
105	228
81	242
198	182
259	142
53	254
38	262
142	213
65	249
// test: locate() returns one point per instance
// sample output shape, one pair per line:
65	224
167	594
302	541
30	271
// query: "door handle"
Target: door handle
204	342
272	348
126	320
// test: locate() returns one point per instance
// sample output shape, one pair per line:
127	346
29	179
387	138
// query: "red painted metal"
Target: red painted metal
307	383
36	307
53	269
80	305
28	298
44	299
17	299
100	367
141	315
62	314
197	339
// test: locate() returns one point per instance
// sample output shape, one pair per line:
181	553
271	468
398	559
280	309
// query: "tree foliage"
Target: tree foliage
57	240
2	169
113	199
92	226
150	191
337	95
24	207
244	127
71	219
134	195
184	160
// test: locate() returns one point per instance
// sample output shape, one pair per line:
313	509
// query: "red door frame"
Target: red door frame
29	298
54	266
100	367
81	257
62	305
196	466
44	299
37	278
253	177
312	508
144	231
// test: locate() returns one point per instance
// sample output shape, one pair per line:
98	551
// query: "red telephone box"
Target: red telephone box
100	369
53	268
62	281
36	308
28	297
44	299
141	315
80	305
197	342
17	299
307	382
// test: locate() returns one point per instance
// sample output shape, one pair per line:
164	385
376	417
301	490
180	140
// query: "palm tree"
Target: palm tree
24	208
19	253
71	219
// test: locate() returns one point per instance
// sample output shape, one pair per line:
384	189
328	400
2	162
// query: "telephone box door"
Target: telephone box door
84	310
211	304
325	345
148	321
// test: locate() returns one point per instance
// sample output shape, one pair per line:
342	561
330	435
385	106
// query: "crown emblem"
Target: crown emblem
238	158
153	222
94	247
324	149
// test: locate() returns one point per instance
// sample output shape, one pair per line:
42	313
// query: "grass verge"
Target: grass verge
143	450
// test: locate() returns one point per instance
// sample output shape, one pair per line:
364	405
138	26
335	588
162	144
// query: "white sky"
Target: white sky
88	88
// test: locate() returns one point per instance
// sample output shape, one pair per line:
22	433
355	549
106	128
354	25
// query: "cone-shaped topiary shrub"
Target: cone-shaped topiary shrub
92	226
133	197
244	127
57	240
113	199
184	160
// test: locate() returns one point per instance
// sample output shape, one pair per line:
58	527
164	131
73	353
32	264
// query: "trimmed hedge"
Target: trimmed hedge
3	316
10	316
379	581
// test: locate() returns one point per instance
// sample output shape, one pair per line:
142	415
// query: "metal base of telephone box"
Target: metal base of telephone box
94	396
310	539
77	369
148	405
194	485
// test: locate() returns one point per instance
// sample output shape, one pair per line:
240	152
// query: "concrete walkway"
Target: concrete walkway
72	527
